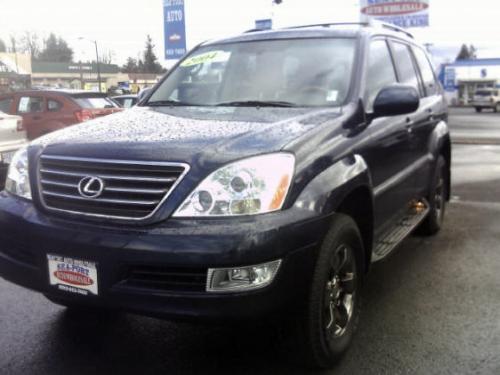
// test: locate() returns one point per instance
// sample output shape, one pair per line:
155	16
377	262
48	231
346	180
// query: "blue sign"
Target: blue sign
175	29
450	75
266	24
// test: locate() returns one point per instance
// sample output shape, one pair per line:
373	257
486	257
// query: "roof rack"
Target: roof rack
329	25
371	23
376	23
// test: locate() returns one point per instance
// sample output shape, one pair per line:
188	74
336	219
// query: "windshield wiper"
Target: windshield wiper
172	103
257	103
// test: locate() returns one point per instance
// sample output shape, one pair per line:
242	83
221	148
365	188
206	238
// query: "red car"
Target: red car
49	110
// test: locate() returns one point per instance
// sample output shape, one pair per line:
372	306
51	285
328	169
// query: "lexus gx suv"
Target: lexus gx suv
265	173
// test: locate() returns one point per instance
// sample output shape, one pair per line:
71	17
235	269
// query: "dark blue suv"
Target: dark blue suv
263	174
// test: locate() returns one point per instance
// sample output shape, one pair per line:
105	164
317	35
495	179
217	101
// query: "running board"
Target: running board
415	215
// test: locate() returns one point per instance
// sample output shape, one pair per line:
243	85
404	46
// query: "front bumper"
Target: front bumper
190	246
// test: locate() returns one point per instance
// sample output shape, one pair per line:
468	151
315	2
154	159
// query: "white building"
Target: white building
463	77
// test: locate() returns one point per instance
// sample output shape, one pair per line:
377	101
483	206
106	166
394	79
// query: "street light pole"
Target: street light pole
98	65
97	60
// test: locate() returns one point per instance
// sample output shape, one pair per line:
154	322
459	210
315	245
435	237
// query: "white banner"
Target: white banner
411	13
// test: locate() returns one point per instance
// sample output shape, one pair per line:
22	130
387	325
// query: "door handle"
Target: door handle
36	117
430	116
409	125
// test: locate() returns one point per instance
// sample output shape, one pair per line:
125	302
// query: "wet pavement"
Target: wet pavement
431	308
469	127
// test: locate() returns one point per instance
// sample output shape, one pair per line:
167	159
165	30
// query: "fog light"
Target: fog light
241	278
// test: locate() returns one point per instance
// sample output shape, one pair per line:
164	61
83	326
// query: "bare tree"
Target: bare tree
29	43
107	57
13	44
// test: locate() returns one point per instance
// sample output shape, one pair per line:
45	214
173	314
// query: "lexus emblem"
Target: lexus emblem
91	187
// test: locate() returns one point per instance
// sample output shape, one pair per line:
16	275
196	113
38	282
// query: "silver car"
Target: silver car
12	137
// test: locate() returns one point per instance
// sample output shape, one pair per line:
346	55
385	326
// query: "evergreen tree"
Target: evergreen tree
150	62
130	66
56	49
466	52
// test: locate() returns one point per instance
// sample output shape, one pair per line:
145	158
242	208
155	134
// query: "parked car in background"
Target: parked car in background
12	137
486	98
126	101
44	111
144	92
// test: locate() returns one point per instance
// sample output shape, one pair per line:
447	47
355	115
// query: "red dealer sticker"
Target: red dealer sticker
73	278
394	8
73	275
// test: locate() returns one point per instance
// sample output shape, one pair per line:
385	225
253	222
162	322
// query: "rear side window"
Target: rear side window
30	104
484	93
53	105
6	105
128	103
380	71
94	103
404	64
427	71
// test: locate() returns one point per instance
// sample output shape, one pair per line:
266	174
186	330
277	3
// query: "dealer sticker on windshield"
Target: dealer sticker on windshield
73	275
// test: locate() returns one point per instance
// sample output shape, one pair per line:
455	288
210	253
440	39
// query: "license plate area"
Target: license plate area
71	275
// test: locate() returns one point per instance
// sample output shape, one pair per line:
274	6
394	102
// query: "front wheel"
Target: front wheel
496	108
330	315
478	109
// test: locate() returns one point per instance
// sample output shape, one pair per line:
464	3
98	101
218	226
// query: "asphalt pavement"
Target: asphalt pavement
431	308
469	127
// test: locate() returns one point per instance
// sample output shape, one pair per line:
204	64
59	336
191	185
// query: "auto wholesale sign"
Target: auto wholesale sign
401	13
175	28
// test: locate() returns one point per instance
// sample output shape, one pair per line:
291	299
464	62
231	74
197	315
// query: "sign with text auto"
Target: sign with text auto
174	29
410	13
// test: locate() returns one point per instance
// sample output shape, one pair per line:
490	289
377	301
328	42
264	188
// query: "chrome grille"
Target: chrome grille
132	190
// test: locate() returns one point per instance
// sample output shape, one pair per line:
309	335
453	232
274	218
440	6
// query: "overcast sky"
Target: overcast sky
121	25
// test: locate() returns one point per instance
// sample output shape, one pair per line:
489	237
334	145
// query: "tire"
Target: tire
437	200
496	108
478	109
325	328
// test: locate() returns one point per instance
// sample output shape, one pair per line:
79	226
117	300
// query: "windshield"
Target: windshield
299	72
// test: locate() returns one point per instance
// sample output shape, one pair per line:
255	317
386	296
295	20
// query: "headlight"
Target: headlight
18	181
251	186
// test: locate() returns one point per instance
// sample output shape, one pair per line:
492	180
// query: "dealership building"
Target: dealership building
463	77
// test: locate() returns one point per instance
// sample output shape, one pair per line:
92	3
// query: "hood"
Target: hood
181	134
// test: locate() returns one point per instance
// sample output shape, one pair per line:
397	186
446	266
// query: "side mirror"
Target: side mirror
396	100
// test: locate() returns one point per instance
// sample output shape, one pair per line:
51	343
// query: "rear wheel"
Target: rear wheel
437	200
326	327
478	109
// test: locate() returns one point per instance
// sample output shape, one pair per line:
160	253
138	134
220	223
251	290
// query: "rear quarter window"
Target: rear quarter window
405	66
94	103
427	71
53	105
6	105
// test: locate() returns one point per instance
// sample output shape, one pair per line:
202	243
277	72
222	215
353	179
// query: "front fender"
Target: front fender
325	192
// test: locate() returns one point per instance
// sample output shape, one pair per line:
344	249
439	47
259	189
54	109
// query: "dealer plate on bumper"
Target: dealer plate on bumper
73	275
